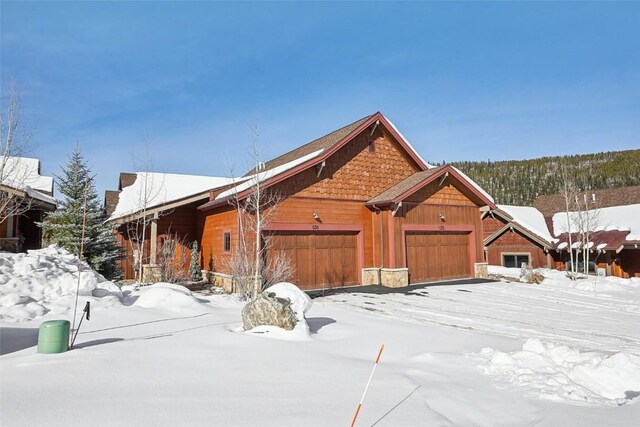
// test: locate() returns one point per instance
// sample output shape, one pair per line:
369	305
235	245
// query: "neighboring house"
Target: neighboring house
360	207
539	235
170	202
22	184
517	234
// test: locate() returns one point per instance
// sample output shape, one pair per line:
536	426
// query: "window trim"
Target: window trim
226	233
516	254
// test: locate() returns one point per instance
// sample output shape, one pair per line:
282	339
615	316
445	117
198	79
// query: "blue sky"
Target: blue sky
463	81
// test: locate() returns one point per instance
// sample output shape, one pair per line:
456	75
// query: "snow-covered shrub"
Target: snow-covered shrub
530	275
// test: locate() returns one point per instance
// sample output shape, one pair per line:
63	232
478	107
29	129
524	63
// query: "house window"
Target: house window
227	241
515	260
372	146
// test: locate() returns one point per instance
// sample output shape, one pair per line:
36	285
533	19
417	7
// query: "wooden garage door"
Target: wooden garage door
437	256
328	260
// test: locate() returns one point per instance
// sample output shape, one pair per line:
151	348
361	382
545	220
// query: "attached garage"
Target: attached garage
433	255
320	259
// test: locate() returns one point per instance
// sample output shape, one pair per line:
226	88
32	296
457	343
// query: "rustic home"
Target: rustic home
356	206
25	196
359	206
539	235
514	235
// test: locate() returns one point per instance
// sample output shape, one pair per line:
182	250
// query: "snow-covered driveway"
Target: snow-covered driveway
607	319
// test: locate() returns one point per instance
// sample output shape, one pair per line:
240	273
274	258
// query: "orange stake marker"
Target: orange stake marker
355	417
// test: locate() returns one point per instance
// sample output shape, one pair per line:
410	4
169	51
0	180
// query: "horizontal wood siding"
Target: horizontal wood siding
512	242
213	224
339	212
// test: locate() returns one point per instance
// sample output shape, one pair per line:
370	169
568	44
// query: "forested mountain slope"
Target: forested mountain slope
519	182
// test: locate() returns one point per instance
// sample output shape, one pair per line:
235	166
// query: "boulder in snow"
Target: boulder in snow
282	305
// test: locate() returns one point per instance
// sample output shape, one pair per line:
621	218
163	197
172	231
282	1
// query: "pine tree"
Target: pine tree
64	226
194	268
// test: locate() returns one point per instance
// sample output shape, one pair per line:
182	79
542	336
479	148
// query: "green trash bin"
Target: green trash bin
53	336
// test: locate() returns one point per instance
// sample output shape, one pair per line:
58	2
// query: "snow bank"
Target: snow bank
557	278
45	280
300	303
566	374
622	218
170	297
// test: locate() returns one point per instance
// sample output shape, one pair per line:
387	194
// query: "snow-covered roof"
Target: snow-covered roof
529	218
162	188
249	181
475	184
614	218
23	173
406	141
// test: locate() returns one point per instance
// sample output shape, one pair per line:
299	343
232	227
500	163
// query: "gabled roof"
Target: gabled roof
313	153
554	203
320	144
418	180
157	190
520	218
22	174
394	194
529	218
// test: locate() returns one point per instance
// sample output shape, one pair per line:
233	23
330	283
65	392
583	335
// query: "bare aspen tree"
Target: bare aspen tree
248	264
148	192
568	193
14	175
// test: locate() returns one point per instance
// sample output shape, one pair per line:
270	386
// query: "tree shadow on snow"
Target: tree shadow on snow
144	323
317	323
16	339
97	342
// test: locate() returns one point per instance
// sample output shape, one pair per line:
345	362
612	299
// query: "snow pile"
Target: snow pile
530	218
621	218
559	279
172	298
45	280
300	304
566	374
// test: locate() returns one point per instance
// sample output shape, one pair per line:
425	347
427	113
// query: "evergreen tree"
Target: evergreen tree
194	269
64	226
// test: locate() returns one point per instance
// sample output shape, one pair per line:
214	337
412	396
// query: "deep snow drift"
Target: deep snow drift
563	373
559	353
46	280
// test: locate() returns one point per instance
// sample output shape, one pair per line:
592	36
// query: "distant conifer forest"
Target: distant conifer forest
519	182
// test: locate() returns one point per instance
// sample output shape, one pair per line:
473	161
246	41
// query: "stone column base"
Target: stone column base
481	270
222	280
151	273
394	277
370	276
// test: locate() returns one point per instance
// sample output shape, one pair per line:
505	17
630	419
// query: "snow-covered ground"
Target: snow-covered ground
484	354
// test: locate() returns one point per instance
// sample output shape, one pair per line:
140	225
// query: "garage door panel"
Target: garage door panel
437	255
320	259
